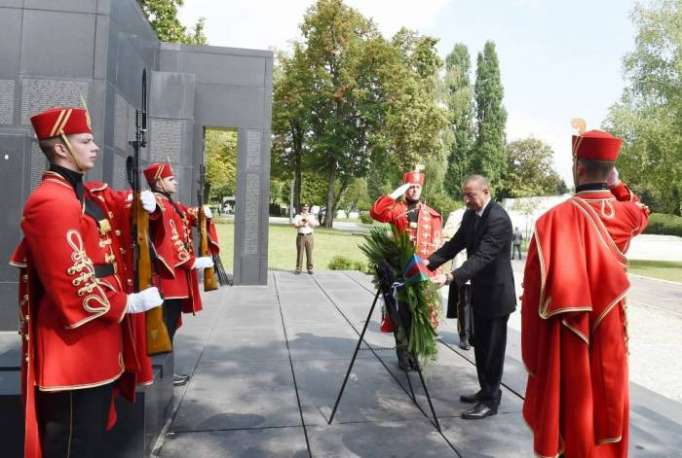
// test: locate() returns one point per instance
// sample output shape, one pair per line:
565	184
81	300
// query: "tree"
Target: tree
221	163
163	17
649	115
291	119
460	135
529	170
343	52
414	119
489	156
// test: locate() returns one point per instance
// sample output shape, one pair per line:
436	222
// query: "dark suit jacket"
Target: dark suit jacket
488	265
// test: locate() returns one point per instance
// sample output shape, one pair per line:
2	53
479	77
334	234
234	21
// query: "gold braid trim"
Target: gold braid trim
94	299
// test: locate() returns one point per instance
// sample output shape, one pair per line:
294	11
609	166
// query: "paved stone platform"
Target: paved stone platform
268	362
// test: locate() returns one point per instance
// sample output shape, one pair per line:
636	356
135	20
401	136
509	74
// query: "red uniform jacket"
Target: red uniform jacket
70	320
171	236
426	235
117	205
574	328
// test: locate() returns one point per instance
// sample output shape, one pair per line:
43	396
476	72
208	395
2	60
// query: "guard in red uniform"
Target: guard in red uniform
423	224
78	344
574	327
171	235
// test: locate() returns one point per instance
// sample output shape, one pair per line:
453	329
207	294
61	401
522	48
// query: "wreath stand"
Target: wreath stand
391	306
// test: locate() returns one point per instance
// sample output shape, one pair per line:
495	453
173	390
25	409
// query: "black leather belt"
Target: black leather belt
104	270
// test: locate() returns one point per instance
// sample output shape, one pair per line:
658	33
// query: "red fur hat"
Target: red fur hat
61	121
158	170
596	145
414	177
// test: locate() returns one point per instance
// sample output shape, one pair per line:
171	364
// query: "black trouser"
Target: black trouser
401	317
516	249
171	314
490	342
459	306
72	423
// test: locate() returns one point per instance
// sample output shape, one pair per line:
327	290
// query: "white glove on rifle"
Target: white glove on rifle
395	195
148	201
207	211
203	262
146	299
613	178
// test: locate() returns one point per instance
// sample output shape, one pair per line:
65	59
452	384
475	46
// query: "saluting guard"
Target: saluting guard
574	325
404	210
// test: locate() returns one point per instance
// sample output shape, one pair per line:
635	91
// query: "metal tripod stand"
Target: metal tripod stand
409	382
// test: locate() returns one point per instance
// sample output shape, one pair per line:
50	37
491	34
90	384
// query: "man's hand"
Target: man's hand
439	280
425	262
395	195
207	211
146	299
613	179
148	201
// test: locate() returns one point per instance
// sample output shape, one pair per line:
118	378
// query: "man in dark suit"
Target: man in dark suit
486	233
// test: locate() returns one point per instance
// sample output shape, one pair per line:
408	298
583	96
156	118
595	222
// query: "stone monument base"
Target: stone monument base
138	424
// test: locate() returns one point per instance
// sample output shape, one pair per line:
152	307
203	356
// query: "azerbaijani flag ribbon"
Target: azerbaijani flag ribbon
415	271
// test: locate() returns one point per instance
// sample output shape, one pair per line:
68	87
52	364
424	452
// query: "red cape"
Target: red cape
573	336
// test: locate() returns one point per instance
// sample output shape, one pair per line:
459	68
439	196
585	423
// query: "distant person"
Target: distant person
574	326
486	234
517	240
304	223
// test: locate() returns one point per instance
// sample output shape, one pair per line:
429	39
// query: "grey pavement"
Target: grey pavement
268	361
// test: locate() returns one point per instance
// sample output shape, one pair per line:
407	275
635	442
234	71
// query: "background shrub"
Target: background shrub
365	218
343	263
664	224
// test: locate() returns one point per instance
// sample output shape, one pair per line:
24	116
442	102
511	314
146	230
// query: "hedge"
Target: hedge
664	224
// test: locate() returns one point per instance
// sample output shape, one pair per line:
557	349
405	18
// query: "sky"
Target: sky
558	60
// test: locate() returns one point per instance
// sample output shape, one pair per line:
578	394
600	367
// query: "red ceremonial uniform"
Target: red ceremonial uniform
76	336
574	328
116	205
171	236
70	320
425	233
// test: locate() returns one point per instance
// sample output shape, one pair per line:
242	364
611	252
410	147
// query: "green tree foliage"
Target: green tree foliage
221	163
529	170
163	17
489	155
344	53
649	115
460	133
414	119
291	119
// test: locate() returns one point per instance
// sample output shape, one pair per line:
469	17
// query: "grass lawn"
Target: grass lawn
330	243
282	246
665	270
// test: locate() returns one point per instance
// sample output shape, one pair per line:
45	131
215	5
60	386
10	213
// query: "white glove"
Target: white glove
204	262
145	300
207	211
148	201
613	178
399	191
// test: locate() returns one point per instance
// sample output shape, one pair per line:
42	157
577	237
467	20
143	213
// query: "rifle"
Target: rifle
210	281
158	340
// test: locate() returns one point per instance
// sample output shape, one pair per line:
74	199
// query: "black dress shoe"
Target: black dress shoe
470	398
479	411
464	344
180	379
